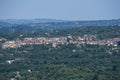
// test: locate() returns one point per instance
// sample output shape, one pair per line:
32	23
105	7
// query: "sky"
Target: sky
60	9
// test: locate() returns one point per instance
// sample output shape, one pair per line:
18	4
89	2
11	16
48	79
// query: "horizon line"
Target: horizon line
58	19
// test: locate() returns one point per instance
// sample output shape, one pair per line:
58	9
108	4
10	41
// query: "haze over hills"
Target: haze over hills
28	21
26	25
43	20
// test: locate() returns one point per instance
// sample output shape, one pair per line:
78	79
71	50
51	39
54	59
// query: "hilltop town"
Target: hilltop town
55	41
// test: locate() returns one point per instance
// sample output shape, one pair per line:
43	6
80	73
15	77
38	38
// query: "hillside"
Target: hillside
40	54
49	24
62	62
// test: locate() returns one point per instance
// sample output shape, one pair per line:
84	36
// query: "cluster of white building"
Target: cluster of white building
34	41
86	39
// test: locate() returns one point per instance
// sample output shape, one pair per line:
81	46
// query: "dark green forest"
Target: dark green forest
102	32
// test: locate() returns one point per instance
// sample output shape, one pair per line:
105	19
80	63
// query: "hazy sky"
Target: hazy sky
60	9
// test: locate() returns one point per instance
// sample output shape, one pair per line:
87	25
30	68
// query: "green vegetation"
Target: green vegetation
102	32
46	63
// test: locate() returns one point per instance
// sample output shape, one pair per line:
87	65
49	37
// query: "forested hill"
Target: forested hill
63	62
40	25
103	32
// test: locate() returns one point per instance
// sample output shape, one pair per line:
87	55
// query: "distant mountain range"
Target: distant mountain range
42	20
24	25
28	21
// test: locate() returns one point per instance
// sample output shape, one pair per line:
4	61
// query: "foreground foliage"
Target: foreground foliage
66	62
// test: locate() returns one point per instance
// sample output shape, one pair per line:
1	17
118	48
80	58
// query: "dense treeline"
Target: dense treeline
102	32
66	62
